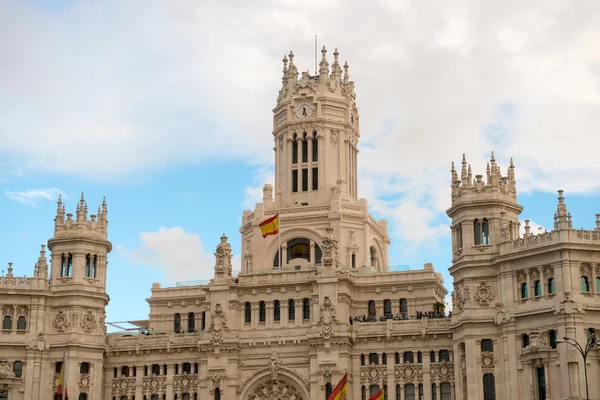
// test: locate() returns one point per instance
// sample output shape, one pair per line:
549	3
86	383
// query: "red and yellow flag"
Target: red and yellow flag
341	390
270	226
377	396
61	390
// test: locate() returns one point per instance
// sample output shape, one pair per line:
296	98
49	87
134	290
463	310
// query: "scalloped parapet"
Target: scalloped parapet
93	227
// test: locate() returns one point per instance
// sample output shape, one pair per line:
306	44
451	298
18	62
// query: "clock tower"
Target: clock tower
316	133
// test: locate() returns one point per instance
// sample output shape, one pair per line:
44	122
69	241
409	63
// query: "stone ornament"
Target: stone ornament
333	137
88	321
218	325
536	342
154	385
460	296
372	373
484	293
408	372
327	318
274	365
61	321
84	382
487	359
223	256
185	382
279	390
330	249
122	386
443	370
6	369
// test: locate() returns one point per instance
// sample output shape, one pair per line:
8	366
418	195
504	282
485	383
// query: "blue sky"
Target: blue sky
165	109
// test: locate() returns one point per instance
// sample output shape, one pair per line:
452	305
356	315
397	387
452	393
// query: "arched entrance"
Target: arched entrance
3	394
275	390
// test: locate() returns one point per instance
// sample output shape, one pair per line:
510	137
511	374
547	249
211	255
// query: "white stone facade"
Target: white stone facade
291	330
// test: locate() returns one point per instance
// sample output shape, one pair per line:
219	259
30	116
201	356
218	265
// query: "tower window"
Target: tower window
177	323
248	313
295	150
94	265
88	265
291	309
444	355
489	387
552	338
372	310
203	321
84	368
537	286
191	322
21	323
315	147
63	265
69	271
459	240
481	231
353	260
551	289
18	369
404	308
585	285
305	179
315	179
387	308
409	357
524	340
7	322
524	292
306	309
373	257
304	148
487	345
295	180
373	359
276	311
262	312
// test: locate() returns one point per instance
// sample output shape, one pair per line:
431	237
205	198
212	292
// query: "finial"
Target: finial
452	169
10	269
464	159
492	158
291	58
324	53
285	64
511	163
336	54
60	198
82	197
346	75
561	198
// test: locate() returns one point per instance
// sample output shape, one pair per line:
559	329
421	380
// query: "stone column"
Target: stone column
593	282
309	143
299	314
312	252
426	375
283	312
288	181
542	281
254	307
170	373
528	274
270	314
139	377
438	390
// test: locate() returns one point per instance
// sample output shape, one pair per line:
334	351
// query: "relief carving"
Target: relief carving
484	293
88	321
6	369
218	325
330	249
460	296
61	321
280	390
274	365
327	318
223	258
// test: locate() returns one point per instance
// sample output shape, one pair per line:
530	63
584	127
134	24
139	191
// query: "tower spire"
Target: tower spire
323	66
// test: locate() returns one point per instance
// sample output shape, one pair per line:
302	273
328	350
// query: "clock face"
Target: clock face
305	110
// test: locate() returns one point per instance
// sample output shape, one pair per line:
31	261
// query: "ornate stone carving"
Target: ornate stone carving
504	234
484	293
61	321
567	297
223	265
333	137
88	321
154	385
75	318
84	382
39	343
443	370
460	296
372	373
327	318
6	369
280	390
408	372
218	325
536	342
185	383
274	365
330	249
487	359
122	386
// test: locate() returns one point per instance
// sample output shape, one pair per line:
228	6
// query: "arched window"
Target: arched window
262	311
304	147
537	287
84	368
155	369
419	357
306	309
363	393
295	149
69	265
404	308
444	355
125	371
362	359
63	265
433	391
598	284
191	322
373	257
124	397
18	369
477	232
445	391
432	356
397	358
373	359
384	358
328	390
398	393
585	284
291	310
88	265
185	396
372	311
154	397
409	357
217	393
7	322
387	308
551	289
276	311
481	231
203	321
177	323
83	396
489	387
248	312
315	147
409	392
94	265
459	240
524	293
21	323
353	260
373	389
298	248
187	368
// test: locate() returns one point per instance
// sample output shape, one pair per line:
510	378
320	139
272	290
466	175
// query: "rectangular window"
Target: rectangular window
315	149
305	179
487	345
291	310
315	179
276	311
18	369
262	311
525	340
444	355
305	151
294	180
294	152
306	309
552	337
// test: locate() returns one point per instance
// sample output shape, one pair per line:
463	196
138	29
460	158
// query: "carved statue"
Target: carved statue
274	364
218	325
330	249
327	318
223	255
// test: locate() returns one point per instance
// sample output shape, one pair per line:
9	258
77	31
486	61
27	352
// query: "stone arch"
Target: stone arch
292	233
288	385
381	261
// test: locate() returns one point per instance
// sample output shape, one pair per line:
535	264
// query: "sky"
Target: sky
165	108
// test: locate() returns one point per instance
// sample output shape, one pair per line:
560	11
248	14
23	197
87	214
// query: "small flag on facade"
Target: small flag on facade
61	390
377	396
270	226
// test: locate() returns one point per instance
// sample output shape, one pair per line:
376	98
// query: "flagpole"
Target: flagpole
279	235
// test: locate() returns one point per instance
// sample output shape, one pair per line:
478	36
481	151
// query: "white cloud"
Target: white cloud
179	254
154	83
254	193
33	196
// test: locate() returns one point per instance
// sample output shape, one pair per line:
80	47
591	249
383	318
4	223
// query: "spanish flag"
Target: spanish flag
377	396
270	226
61	390
341	390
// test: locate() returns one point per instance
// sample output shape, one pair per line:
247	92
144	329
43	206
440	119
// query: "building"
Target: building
319	299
